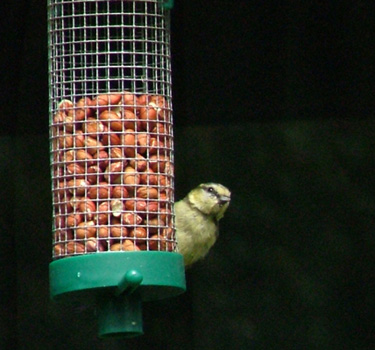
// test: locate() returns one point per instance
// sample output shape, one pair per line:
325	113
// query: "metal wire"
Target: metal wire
111	130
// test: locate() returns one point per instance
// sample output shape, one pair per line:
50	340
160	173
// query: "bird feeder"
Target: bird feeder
111	147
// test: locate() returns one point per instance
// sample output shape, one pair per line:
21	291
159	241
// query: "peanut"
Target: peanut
92	127
84	157
93	245
74	202
79	139
116	152
139	234
103	232
118	231
58	119
148	116
69	124
157	163
113	173
73	220
160	130
59	250
152	208
94	174
128	245
78	186
143	140
157	242
102	102
149	178
66	141
110	138
129	100
165	214
65	106
112	119
131	219
116	247
139	163
75	248
128	140
117	207
85	229
137	206
102	216
130	120
100	191
101	158
120	192
155	146
87	207
76	170
131	178
93	145
83	110
147	192
154	225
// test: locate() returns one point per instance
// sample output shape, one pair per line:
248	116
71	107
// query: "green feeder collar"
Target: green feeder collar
118	282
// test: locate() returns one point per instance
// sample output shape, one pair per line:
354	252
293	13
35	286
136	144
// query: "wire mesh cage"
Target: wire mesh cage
110	126
111	146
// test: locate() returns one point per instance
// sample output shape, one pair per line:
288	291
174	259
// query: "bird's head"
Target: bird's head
211	199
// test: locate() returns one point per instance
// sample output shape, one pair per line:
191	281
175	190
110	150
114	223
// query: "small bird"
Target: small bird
197	220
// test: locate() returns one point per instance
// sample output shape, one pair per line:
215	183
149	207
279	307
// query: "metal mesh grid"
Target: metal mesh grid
111	131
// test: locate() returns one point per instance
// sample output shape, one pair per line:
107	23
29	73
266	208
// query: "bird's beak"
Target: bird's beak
224	199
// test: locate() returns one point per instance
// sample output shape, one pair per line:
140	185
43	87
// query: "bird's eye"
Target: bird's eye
210	189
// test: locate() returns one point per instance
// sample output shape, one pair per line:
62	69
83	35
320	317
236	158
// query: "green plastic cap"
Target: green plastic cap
117	283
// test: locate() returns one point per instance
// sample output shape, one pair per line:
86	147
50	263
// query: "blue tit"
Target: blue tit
197	220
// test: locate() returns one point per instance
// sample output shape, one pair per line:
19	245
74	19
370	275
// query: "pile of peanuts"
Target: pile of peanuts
112	174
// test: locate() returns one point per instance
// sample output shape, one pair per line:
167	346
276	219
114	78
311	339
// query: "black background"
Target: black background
272	99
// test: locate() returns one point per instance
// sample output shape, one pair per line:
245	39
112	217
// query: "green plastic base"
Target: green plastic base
120	317
118	282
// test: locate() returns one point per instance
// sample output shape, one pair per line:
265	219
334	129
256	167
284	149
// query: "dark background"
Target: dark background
272	99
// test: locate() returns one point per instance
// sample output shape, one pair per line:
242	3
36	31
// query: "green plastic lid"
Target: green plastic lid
117	283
